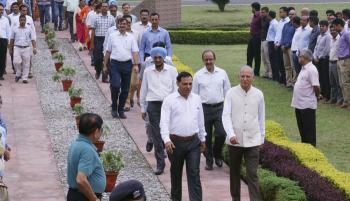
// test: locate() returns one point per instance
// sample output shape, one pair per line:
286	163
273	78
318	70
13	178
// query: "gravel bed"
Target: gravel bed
61	123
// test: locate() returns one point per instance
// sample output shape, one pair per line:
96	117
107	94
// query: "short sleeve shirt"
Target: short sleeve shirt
304	96
82	157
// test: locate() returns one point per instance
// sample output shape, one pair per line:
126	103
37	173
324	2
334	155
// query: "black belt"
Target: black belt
156	102
174	137
98	195
21	46
333	62
121	61
212	105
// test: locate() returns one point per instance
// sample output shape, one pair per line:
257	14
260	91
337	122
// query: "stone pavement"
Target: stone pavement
215	183
31	174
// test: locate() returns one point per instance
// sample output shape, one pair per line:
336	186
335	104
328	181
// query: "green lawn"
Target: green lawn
240	15
333	124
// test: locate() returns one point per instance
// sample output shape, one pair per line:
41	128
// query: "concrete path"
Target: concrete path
215	183
31	174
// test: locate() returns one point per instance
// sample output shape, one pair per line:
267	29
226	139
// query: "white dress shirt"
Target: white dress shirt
13	17
22	36
244	116
182	117
29	23
323	46
110	30
121	46
271	32
140	29
90	18
280	26
5	30
211	87
301	38
156	85
334	46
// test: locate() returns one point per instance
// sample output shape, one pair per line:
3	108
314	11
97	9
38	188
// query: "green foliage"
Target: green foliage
112	161
65	73
78	109
46	27
52	43
59	57
74	93
106	130
209	37
221	4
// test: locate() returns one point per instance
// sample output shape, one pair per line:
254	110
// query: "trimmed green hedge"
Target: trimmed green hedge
202	37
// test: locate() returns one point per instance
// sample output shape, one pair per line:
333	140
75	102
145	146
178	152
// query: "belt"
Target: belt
155	102
98	195
333	62
174	137
21	46
324	57
212	105
121	61
343	58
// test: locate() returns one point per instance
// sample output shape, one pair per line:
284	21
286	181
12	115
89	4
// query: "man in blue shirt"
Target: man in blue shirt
286	43
153	35
85	173
313	22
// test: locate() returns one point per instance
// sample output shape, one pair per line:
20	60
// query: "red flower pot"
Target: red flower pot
53	52
99	145
74	100
58	66
77	121
66	84
111	180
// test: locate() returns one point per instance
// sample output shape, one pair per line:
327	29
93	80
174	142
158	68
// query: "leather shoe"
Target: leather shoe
149	146
158	172
209	167
25	81
218	162
114	114
17	78
122	116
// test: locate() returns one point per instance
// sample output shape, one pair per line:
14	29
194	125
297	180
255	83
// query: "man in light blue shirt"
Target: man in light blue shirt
271	34
153	35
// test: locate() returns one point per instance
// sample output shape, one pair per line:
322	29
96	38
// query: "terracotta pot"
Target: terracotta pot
99	145
66	84
111	180
77	121
53	52
58	66
74	100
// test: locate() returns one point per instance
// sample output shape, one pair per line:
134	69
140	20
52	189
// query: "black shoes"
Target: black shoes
25	82
17	79
122	116
218	162
2	78
149	146
158	172
114	114
209	166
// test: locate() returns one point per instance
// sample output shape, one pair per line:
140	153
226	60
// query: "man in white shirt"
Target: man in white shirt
159	81
126	11
244	122
142	26
283	13
14	18
271	34
121	49
305	95
211	83
5	32
183	133
21	38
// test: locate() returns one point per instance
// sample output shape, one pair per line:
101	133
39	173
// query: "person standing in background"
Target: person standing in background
44	11
264	43
254	44
70	7
5	32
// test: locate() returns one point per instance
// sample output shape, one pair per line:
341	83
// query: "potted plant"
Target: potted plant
52	44
112	163
78	109
75	95
100	143
65	74
59	57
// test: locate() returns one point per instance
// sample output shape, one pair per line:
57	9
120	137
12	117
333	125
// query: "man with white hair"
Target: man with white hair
244	122
305	95
158	82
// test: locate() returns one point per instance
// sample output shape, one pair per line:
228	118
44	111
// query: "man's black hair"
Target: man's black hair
183	74
89	122
324	22
256	6
313	13
272	14
296	20
338	21
330	12
285	9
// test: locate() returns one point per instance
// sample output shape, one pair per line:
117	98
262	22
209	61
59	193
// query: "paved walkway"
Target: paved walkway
215	183
31	174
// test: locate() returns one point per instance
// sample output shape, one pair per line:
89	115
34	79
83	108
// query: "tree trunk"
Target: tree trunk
221	7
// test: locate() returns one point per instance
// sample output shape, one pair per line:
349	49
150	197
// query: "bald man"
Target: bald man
244	107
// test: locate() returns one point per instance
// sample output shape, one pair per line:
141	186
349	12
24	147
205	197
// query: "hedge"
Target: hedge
272	187
203	37
180	66
309	157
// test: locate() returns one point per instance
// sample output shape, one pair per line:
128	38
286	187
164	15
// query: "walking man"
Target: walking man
183	133
44	12
244	122
70	7
159	81
254	44
5	32
305	95
21	38
211	83
121	49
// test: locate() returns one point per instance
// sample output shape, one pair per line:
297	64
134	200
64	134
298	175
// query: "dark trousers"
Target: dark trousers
3	51
213	119
44	12
251	158
70	16
58	17
120	75
297	66
75	195
153	111
254	52
273	61
306	119
336	93
98	53
186	151
280	65
323	71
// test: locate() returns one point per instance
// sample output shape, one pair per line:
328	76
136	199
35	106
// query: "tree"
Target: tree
221	4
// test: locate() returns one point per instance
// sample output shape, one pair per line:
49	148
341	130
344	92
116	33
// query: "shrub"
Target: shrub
180	66
221	4
217	37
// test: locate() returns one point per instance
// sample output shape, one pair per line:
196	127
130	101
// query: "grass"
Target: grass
333	124
240	15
